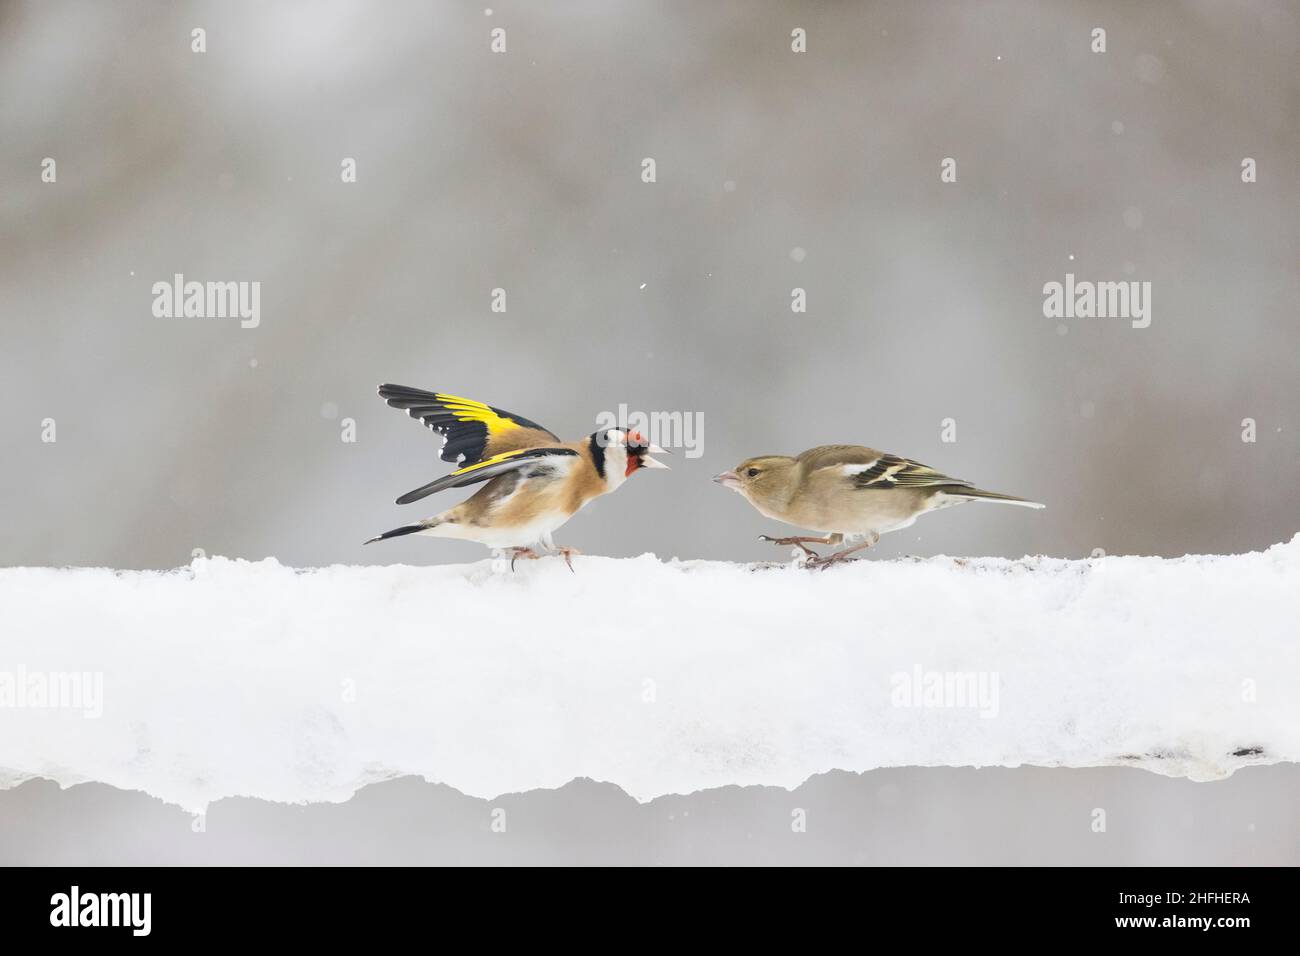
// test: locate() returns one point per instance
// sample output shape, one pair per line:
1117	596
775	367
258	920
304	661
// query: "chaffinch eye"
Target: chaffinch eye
752	472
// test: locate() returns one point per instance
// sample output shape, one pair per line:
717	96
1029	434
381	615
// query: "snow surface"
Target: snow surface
236	678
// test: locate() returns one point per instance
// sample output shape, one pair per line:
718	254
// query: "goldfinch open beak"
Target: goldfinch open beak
648	462
728	479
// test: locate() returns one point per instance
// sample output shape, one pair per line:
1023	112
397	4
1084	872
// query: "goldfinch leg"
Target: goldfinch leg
568	554
798	542
517	553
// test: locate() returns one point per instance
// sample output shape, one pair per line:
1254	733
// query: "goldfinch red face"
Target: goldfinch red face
618	453
639	451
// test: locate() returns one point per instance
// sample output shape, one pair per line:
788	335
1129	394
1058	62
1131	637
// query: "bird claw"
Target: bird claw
821	564
842	557
517	553
808	553
568	554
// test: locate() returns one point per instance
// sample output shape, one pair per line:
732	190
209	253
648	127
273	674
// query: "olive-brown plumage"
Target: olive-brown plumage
849	492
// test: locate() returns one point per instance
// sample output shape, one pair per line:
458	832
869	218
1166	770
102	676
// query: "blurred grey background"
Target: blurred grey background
522	171
775	170
949	816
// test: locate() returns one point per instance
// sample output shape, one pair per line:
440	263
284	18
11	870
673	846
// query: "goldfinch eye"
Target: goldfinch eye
752	472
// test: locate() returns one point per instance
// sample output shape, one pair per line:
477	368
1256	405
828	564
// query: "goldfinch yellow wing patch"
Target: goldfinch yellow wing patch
468	410
507	456
472	431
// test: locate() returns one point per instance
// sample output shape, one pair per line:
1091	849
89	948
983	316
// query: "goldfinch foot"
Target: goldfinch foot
517	553
568	554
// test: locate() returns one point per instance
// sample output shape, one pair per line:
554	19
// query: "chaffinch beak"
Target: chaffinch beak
728	479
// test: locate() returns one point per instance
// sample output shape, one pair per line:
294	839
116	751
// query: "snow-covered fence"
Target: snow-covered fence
229	677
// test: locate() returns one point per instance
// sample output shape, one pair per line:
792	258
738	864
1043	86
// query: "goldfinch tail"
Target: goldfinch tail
977	494
405	529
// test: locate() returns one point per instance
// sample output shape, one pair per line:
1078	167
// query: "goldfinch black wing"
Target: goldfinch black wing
530	462
471	431
868	468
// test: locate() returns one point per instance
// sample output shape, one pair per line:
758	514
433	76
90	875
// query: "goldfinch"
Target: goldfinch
534	481
850	492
